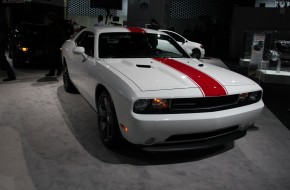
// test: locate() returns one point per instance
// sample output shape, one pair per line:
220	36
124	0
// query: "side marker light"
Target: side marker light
124	128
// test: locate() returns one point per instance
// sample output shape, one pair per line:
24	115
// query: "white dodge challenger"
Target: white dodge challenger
148	91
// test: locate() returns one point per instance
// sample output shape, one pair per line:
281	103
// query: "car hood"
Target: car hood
164	74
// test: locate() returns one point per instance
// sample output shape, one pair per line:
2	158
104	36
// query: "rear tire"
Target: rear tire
196	53
107	121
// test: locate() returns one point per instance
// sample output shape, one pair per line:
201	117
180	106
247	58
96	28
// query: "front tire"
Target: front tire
107	121
68	85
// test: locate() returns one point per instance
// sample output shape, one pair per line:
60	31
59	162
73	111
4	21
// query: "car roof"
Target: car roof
167	30
170	31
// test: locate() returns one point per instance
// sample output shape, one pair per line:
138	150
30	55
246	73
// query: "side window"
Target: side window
176	37
79	39
87	40
166	46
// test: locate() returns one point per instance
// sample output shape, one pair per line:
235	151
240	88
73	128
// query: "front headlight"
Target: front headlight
249	98
159	104
141	105
150	105
24	49
254	96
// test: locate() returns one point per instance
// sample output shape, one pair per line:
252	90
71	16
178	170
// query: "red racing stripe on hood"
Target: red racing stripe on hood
207	84
136	30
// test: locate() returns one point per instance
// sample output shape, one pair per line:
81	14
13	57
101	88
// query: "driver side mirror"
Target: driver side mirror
80	51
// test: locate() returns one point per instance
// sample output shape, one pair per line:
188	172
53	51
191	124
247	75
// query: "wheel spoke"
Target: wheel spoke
107	105
105	118
103	124
102	112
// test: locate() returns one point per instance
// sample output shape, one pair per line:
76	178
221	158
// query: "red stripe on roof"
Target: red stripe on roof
136	30
207	84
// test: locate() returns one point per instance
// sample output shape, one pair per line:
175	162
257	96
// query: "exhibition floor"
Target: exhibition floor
49	141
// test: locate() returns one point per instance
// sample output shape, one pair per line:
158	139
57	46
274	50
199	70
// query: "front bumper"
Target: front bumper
155	130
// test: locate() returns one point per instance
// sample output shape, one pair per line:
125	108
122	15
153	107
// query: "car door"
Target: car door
81	62
177	38
180	40
89	67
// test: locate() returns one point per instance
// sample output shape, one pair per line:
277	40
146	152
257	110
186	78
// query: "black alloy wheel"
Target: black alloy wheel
196	53
107	121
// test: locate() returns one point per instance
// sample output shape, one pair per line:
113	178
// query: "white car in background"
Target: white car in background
194	49
147	90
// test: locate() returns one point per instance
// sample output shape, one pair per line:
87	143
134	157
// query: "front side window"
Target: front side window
175	36
138	45
86	40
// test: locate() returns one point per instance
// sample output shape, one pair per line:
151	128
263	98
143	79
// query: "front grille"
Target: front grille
201	136
204	103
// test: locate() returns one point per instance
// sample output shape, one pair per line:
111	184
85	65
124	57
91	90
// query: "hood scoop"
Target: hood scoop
143	66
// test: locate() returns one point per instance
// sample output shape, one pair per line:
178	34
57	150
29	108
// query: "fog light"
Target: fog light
150	141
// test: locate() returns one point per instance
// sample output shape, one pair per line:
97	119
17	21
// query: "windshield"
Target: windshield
138	45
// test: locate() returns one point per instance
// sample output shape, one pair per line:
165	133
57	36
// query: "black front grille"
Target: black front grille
204	103
201	136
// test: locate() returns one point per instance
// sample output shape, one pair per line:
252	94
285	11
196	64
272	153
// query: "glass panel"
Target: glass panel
261	65
138	45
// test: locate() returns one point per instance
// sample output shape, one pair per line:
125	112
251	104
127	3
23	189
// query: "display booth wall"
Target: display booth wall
255	19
